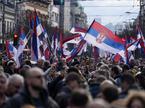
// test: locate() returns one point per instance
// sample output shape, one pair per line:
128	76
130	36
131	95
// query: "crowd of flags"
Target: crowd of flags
97	36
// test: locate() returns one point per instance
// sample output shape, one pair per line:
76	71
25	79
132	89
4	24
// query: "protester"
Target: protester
109	84
15	83
11	67
98	103
79	99
110	93
34	92
3	87
136	100
127	83
72	82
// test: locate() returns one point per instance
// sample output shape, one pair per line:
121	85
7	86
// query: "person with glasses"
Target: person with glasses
34	92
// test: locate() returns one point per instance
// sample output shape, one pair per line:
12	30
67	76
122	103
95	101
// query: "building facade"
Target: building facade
74	15
7	14
26	9
67	15
142	15
78	16
53	13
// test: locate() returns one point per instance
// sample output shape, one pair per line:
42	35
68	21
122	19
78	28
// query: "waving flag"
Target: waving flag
78	30
142	40
37	40
75	39
80	44
46	51
55	44
76	50
11	50
65	50
103	38
133	46
116	58
22	43
126	55
42	39
35	49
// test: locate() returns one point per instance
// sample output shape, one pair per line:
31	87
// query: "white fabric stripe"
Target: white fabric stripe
39	29
38	49
92	40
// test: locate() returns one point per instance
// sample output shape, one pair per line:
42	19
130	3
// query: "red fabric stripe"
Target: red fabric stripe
102	29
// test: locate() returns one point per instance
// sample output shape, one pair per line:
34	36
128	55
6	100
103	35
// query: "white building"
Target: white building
67	15
9	18
53	12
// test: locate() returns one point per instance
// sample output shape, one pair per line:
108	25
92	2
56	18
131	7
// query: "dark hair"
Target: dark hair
23	70
27	62
141	99
110	93
72	69
125	67
127	78
72	77
79	98
115	69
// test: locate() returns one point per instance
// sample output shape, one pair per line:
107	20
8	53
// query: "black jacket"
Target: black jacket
24	98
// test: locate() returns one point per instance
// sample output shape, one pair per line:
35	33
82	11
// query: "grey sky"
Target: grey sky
111	11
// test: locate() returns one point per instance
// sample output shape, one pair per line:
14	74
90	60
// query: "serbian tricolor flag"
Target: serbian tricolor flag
78	30
22	43
11	50
35	43
116	58
76	50
75	39
142	40
55	43
103	38
42	37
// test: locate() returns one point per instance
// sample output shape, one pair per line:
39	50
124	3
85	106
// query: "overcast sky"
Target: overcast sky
111	11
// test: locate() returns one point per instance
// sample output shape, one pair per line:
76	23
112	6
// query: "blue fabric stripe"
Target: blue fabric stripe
34	45
22	36
107	41
10	47
113	44
93	32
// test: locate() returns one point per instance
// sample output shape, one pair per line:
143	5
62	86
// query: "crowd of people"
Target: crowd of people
82	83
